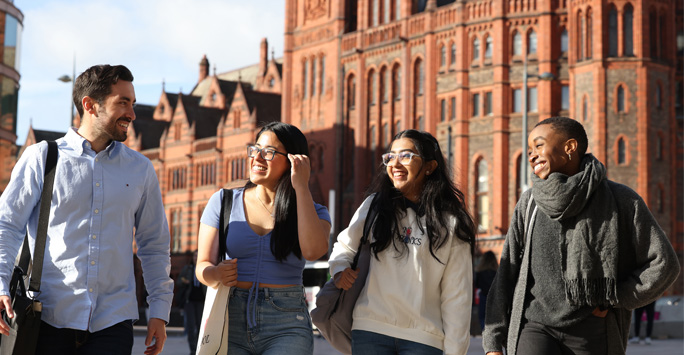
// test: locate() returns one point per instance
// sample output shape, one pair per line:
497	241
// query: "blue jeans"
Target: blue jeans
588	337
115	340
281	322
369	343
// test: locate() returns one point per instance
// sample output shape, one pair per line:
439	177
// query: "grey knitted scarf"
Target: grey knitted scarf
585	207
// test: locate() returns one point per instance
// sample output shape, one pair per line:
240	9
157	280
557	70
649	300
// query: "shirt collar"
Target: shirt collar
78	143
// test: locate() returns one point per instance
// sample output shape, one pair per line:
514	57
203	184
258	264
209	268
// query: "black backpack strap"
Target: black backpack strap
367	226
43	217
224	222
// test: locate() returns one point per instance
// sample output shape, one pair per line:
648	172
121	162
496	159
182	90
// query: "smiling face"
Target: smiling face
115	113
548	152
409	178
268	172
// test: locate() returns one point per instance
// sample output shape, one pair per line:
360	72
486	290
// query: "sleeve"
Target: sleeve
656	265
500	297
322	212
457	298
17	204
348	240
153	240
212	212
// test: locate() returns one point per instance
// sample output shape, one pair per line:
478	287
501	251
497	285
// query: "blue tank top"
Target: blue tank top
256	263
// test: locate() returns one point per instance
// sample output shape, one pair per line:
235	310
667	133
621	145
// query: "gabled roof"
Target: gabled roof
267	105
147	128
173	100
206	120
246	74
41	135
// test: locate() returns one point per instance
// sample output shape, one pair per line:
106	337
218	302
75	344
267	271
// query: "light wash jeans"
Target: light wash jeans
280	322
369	343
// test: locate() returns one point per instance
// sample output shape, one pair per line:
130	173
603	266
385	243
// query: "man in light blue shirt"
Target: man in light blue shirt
106	196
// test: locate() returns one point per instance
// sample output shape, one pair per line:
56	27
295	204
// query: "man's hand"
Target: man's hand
6	304
495	353
597	312
156	328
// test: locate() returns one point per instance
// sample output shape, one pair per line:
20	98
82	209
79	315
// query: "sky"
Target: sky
158	40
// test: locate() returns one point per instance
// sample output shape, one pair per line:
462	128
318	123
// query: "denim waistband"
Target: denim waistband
253	294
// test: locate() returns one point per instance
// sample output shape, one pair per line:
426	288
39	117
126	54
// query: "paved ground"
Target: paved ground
177	345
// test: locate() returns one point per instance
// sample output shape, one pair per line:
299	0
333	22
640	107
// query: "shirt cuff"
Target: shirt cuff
161	310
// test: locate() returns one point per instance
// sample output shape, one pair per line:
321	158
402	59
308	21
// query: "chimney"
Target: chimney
431	5
203	68
263	56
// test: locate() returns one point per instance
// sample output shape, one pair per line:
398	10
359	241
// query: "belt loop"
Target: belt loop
267	294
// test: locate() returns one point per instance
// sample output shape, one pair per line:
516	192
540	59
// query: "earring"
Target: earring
427	172
569	156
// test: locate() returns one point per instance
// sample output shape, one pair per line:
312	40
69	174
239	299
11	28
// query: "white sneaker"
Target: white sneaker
648	341
634	340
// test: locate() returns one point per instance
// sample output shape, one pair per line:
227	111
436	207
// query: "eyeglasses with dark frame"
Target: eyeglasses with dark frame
404	158
266	153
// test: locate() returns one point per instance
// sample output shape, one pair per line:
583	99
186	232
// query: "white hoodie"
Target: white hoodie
413	296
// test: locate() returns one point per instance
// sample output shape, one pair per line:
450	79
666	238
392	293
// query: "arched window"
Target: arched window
621	99
564	42
313	77
453	109
482	196
420	124
396	82
386	10
580	36
585	109
442	110
532	42
305	79
476	49
397	9
488	47
452	60
419	76
385	84
653	30
385	134
517	44
351	92
621	151
322	74
442	56
612	32
627	26
589	34
371	87
373	12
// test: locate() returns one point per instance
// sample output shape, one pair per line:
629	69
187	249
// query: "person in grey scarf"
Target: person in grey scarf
581	252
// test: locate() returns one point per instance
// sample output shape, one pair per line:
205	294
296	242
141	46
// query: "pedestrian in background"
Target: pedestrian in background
573	268
418	294
484	276
638	314
106	196
190	298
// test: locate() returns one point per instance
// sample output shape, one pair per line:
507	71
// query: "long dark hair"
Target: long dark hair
285	234
439	200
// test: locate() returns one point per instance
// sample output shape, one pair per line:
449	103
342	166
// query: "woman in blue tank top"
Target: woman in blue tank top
274	228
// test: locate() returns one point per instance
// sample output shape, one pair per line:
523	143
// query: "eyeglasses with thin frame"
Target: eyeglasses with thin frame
404	158
266	153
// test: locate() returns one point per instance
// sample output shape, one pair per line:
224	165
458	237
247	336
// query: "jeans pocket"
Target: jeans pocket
288	304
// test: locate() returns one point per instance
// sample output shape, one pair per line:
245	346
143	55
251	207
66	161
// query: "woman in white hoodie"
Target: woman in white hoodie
418	294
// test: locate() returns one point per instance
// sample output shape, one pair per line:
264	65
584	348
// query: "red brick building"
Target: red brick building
354	73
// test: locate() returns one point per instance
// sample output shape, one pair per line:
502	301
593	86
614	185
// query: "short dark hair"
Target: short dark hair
571	129
97	82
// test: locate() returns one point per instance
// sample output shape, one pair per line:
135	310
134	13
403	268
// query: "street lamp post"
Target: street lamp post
546	76
70	79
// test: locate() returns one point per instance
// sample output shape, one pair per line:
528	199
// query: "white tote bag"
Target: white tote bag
213	336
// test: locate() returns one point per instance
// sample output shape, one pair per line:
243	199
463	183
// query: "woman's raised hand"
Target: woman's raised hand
301	170
345	279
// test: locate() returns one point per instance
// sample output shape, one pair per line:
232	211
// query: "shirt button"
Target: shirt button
97	184
97	159
97	211
92	263
94	236
90	289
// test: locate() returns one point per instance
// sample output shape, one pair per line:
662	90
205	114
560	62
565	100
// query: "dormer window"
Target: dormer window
161	109
213	97
271	82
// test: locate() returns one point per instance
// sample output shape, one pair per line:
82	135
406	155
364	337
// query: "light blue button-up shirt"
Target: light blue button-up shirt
100	202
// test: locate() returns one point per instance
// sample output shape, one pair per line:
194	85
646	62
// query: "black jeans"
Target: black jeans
115	340
650	313
585	338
